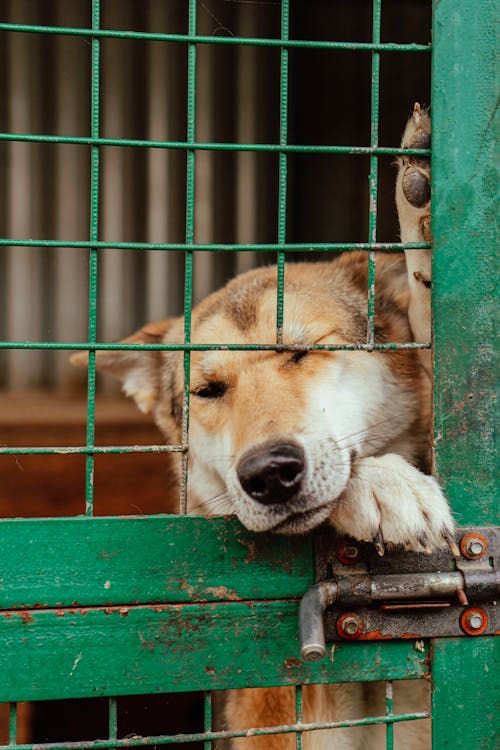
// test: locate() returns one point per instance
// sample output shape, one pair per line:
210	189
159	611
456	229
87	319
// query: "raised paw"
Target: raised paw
390	503
415	170
413	200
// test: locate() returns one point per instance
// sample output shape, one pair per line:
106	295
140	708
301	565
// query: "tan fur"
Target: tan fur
360	419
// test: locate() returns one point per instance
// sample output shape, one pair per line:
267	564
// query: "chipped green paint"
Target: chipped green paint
465	201
66	562
465	672
466	680
68	653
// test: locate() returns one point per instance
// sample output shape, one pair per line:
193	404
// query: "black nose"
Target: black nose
272	473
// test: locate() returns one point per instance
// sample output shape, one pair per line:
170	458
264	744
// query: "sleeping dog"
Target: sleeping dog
290	439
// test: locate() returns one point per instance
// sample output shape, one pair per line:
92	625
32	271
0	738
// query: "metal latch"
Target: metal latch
360	595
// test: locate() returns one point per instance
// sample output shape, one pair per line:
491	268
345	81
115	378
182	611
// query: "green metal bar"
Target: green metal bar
65	562
112	719
389	705
395	247
298	715
89	346
373	177
200	39
12	724
188	263
95	450
212	146
213	736
207	719
93	258
466	684
464	225
283	170
465	210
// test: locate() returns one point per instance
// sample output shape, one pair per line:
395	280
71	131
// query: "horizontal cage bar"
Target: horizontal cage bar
213	146
94	347
215	40
91	449
289	247
138	741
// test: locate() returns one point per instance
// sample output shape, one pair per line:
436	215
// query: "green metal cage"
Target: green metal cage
52	649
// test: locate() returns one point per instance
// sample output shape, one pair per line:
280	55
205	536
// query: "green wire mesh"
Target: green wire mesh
94	245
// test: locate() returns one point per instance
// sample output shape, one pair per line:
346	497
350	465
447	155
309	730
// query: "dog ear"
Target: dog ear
139	371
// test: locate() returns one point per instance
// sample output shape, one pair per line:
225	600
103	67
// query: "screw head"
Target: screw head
350	625
474	621
351	552
473	546
347	552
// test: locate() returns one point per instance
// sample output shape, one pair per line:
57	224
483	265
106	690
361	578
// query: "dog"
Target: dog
288	439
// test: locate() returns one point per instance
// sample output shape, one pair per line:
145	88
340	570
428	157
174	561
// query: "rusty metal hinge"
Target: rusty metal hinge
362	596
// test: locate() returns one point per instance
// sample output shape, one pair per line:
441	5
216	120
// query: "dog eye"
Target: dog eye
297	356
213	389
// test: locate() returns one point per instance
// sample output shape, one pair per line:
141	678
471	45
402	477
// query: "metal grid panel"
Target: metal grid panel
208	736
94	245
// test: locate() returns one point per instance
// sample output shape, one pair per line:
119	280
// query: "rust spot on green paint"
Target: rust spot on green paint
222	593
293	663
26	617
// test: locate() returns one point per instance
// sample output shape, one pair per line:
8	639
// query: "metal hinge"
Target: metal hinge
362	596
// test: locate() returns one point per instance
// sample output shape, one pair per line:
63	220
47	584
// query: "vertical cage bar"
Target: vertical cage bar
12	723
373	178
188	267
93	256
207	718
283	167
112	719
298	715
389	704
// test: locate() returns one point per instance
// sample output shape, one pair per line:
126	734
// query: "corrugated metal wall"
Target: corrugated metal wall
44	88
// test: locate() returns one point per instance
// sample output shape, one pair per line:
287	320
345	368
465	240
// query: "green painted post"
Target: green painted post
465	188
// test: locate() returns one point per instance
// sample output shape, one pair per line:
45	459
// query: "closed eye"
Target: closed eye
212	389
297	356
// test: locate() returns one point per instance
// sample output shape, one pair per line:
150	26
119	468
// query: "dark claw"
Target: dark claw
450	541
378	542
423	540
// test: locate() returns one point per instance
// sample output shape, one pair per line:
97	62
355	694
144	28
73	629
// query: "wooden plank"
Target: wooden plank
466	693
113	561
52	654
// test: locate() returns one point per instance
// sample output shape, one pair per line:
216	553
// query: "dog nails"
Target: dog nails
378	542
450	541
423	540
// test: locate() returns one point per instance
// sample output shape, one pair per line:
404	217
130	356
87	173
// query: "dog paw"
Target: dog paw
413	184
416	170
390	503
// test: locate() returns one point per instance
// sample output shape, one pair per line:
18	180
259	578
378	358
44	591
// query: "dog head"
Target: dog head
273	434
